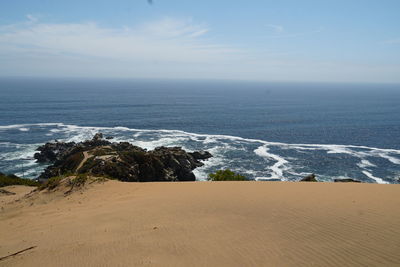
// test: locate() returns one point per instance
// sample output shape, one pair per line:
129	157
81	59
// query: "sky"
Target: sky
286	40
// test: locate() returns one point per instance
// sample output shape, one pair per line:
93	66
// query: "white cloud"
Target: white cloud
167	48
164	40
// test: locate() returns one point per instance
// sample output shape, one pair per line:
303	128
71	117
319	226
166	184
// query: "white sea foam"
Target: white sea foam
137	135
339	150
202	172
378	180
328	147
152	144
19	155
365	163
15	126
7	144
276	169
227	150
389	158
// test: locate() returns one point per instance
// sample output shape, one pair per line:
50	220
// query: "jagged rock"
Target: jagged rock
97	140
109	137
98	136
309	178
347	180
126	162
201	155
51	152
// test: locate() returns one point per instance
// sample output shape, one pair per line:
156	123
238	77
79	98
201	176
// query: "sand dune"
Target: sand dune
204	224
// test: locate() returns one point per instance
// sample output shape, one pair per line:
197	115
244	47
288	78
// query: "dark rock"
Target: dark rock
50	152
269	180
109	137
309	178
97	140
98	136
126	162
201	155
348	180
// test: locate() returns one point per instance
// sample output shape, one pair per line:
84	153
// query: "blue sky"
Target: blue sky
287	40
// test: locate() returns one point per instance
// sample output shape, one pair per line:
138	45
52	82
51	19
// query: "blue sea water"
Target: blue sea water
263	130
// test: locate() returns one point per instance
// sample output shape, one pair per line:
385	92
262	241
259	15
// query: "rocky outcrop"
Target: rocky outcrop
309	178
122	161
56	151
201	155
51	152
347	180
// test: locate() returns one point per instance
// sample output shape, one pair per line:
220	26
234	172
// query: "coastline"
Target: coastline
254	158
206	223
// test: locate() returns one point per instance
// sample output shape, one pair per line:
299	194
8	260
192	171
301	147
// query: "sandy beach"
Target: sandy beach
203	224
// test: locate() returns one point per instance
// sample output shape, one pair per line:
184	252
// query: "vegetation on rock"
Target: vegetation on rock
6	180
226	175
122	161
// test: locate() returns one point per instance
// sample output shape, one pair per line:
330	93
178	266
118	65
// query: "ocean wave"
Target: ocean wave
15	126
283	161
377	179
365	163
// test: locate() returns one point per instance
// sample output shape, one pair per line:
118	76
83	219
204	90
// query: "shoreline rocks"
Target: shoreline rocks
122	161
309	178
51	152
347	180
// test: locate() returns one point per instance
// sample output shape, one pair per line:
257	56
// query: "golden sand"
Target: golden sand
204	224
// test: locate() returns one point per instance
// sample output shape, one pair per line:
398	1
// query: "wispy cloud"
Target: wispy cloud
281	32
164	40
173	28
166	48
276	28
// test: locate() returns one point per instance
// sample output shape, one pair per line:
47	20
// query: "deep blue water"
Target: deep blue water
263	130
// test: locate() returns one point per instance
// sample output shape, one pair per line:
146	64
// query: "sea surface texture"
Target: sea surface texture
262	130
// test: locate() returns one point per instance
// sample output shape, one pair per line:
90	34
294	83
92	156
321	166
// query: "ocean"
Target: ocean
262	130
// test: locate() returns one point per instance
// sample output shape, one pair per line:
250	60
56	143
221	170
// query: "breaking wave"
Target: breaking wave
257	159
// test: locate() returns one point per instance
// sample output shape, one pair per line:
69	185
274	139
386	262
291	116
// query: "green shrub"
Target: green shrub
226	175
6	180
